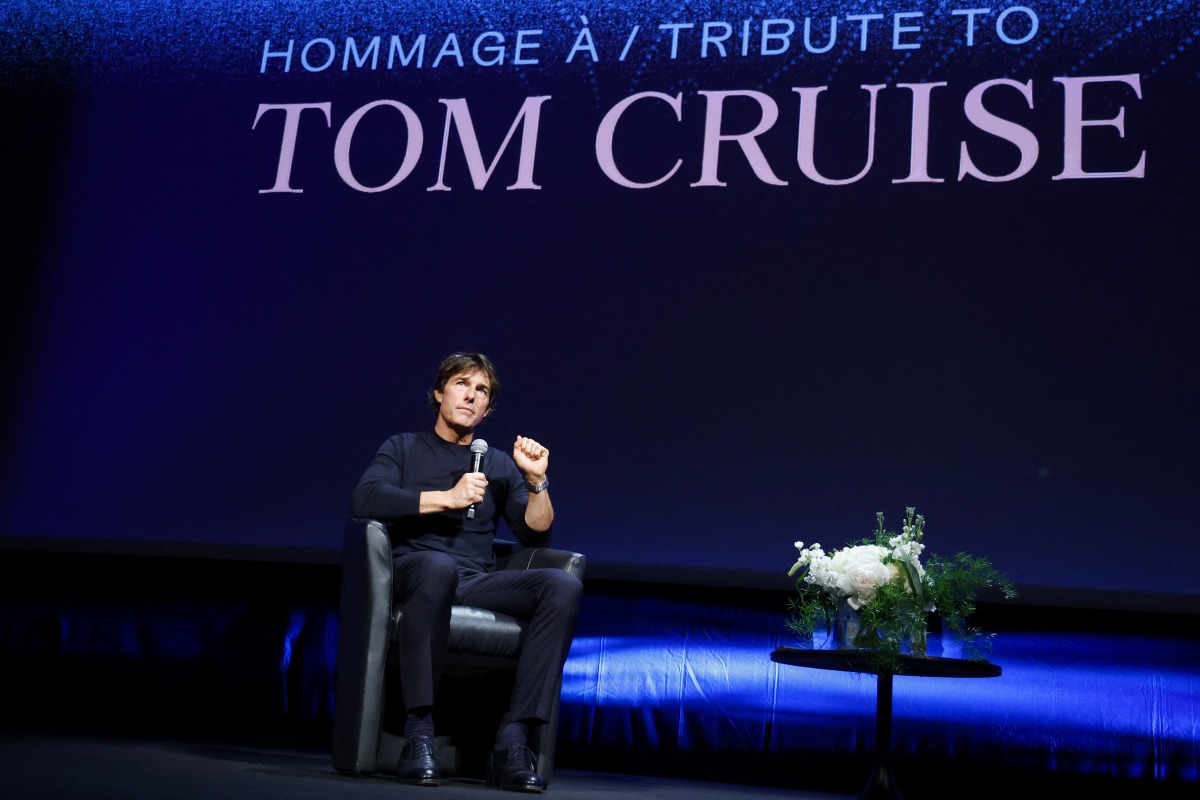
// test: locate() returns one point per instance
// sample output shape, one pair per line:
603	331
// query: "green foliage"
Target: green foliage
892	622
955	583
810	609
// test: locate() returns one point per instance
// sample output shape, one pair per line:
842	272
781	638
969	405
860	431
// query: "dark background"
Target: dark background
717	371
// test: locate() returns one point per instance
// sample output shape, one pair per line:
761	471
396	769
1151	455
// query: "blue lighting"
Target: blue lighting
1121	705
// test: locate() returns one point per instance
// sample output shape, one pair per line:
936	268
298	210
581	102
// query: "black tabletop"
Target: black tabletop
862	661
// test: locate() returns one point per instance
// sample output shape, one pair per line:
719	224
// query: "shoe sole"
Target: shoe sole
525	789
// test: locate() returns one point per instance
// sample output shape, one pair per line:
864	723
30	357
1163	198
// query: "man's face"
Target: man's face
464	400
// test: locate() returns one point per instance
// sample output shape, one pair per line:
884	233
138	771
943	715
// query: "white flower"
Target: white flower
856	573
807	556
860	571
908	551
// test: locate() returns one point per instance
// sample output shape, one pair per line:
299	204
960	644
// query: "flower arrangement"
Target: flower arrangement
881	594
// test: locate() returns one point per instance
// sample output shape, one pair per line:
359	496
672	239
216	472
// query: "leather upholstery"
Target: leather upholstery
367	736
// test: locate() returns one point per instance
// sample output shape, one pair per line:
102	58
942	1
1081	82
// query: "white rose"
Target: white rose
860	571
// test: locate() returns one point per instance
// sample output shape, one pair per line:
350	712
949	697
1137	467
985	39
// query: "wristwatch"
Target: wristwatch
538	488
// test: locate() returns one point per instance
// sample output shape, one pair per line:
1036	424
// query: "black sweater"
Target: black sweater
410	463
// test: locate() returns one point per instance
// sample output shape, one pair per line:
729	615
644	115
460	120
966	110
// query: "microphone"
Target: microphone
478	448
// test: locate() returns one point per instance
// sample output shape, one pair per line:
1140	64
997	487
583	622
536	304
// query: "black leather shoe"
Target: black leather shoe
513	769
418	763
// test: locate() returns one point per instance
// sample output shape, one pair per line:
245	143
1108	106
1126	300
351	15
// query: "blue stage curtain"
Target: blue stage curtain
668	680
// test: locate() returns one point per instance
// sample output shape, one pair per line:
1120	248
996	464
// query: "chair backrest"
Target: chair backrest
364	625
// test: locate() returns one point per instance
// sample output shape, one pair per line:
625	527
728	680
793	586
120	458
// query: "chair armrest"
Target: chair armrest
511	555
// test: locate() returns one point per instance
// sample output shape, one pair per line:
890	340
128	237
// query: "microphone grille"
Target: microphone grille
479	446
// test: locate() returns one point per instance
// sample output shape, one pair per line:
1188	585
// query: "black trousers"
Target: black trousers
429	583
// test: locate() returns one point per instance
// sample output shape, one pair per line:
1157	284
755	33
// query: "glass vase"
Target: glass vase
824	635
917	636
848	627
953	634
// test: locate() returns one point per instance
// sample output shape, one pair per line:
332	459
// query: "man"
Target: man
442	519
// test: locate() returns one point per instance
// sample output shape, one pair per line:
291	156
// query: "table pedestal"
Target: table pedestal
882	784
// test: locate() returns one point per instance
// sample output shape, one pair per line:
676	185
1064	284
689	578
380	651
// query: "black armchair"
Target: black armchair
472	698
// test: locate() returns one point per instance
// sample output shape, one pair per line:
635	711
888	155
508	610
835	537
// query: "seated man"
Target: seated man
442	516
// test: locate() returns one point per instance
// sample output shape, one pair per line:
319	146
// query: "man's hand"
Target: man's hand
532	459
468	490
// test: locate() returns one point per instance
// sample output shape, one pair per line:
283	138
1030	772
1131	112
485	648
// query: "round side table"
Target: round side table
882	783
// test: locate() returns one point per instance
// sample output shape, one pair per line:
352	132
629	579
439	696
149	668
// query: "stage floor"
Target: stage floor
65	767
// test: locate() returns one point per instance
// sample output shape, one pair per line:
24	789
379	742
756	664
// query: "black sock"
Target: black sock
418	722
514	733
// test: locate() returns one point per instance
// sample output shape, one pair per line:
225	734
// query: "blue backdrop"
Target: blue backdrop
751	273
